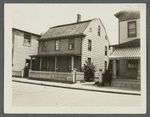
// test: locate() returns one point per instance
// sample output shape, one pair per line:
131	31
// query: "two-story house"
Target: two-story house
23	44
126	55
66	47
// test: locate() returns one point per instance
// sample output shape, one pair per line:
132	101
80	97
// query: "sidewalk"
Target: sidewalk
88	86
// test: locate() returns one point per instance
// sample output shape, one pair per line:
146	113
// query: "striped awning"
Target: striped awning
126	53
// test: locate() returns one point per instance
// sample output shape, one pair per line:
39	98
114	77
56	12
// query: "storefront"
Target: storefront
126	66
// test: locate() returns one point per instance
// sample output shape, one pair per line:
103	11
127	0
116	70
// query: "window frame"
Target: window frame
27	34
59	44
89	45
129	36
105	64
89	59
45	46
73	44
99	31
130	69
105	50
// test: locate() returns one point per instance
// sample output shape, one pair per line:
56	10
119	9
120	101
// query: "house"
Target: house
66	47
23	44
126	56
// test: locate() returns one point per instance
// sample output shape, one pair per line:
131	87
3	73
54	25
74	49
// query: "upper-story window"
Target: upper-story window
105	64
106	37
44	46
89	45
132	29
106	50
99	30
57	45
71	44
90	30
27	39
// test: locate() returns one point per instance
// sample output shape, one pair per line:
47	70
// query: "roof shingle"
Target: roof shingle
66	30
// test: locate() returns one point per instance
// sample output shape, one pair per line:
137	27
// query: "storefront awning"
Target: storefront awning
126	53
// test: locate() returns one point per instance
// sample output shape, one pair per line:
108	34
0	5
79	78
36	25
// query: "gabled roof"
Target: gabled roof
26	32
133	43
67	30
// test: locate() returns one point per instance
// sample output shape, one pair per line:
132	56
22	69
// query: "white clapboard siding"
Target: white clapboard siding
124	30
97	54
21	52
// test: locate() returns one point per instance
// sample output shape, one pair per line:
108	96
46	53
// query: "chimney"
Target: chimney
78	18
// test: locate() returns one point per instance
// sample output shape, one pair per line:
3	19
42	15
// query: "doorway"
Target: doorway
27	67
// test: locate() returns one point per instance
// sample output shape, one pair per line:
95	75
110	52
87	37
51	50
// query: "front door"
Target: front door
27	67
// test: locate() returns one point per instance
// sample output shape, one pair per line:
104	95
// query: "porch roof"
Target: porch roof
126	53
60	54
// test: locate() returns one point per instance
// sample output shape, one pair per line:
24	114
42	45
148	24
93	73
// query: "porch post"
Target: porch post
40	63
31	63
139	69
72	62
55	63
114	68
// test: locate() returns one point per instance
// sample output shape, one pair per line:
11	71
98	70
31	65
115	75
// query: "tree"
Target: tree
89	70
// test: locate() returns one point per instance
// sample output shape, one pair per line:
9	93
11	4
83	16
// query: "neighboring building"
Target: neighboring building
65	47
126	56
23	44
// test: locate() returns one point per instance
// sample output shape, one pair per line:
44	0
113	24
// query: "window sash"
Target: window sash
57	45
106	50
132	29
71	44
89	45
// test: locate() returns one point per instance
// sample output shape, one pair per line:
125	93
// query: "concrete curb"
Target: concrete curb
79	88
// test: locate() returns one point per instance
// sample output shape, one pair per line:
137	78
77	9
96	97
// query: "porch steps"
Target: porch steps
126	83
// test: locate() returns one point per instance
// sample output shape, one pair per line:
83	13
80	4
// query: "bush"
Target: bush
89	70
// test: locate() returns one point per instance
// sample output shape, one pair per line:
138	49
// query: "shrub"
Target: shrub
89	70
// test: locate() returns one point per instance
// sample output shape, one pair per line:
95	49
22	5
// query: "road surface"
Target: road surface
30	95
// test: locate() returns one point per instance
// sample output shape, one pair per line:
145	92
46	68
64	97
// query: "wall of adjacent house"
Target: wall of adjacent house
124	72
63	47
97	53
21	52
123	32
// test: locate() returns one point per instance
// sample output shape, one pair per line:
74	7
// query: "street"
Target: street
30	95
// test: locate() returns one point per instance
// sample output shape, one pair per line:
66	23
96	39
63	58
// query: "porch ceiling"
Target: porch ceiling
47	55
126	53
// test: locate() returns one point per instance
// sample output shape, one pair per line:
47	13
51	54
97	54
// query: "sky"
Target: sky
38	18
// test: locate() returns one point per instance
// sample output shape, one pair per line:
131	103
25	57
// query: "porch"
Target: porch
126	67
56	68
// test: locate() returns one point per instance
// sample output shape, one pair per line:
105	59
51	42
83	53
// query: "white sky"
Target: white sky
38	18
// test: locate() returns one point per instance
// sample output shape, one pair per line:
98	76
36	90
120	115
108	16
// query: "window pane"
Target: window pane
131	25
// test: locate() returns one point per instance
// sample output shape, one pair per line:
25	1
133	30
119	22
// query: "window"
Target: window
132	64
71	44
106	50
57	45
106	37
90	30
44	46
89	60
132	29
27	39
89	45
105	64
99	29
